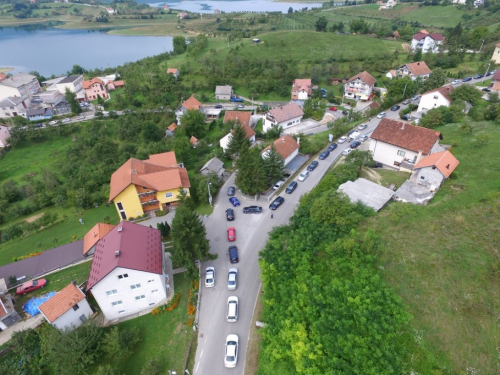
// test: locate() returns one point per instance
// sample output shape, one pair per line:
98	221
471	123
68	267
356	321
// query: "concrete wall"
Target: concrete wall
72	317
430	175
130	202
432	100
388	154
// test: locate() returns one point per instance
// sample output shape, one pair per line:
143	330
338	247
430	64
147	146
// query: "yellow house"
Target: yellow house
496	54
140	186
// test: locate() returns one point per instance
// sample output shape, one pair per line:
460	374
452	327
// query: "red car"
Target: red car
231	234
31	286
333	109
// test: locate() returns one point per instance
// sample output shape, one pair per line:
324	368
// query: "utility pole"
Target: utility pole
404	91
487	70
209	194
481	46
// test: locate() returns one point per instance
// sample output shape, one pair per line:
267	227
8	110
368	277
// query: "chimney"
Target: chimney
418	63
120	229
403	126
448	166
117	253
298	141
74	283
95	234
283	140
419	157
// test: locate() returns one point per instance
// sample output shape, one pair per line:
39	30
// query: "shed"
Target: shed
369	193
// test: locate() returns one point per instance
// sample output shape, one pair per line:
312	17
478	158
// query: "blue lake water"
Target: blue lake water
55	51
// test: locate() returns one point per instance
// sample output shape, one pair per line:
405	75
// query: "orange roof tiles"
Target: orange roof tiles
64	300
410	137
191	103
303	84
97	232
444	90
171	70
419	68
242	116
285	146
172	127
365	77
88	84
193	140
444	161
160	172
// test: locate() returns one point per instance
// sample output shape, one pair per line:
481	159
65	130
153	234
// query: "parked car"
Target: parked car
362	126
486	89
278	184
231	234
210	277
467	79
232	278
252	210
324	155
39	125
332	147
276	203
324	91
455	82
218	106
240	106
477	76
82	105
232	309
303	175
229	214
334	109
355	144
231	354
53	122
416	97
353	134
66	120
381	115
342	139
234	201
345	113
233	254
395	108
407	101
80	118
30	286
362	138
311	167
291	187
347	151
376	164
231	190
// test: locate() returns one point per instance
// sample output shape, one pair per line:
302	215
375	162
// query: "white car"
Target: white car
347	151
231	355
303	175
342	139
53	122
278	185
232	279
80	118
381	114
456	82
210	277
66	120
362	126
232	309
362	138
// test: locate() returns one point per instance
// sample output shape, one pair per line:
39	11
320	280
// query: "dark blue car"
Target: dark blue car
324	155
467	79
234	201
332	147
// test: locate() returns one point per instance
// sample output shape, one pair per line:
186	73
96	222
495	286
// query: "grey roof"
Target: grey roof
223	90
12	100
286	112
52	81
69	79
18	80
213	165
369	193
35	112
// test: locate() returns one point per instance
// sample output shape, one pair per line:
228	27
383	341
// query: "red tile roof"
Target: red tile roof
172	127
2	77
286	112
285	146
139	246
496	76
422	35
171	70
242	116
191	103
444	161
409	137
365	77
88	84
97	232
419	68
444	90
64	300
302	84
193	140
160	172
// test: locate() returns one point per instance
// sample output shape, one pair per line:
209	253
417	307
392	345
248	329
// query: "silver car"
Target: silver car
210	277
303	175
232	309
232	279
231	355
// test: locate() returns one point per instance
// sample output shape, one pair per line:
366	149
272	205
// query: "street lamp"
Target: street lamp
487	70
209	194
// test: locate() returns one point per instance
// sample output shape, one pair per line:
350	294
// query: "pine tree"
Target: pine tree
73	103
250	177
273	165
237	140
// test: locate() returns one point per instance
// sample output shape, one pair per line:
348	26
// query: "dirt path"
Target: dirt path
374	176
33	218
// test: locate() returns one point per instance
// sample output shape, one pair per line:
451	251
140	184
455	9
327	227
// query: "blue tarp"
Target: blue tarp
31	307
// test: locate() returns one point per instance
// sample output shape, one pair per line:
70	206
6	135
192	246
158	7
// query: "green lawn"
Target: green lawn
442	259
58	234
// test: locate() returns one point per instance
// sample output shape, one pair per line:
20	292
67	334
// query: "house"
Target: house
255	40
190	104
214	165
435	98
369	193
496	81
398	144
435	168
128	275
8	314
73	83
223	92
182	15
110	10
495	58
360	86
62	107
4	137
194	141
286	146
217	11
93	236
113	85
140	186
301	89
427	42
20	85
13	106
68	309
166	7
285	116
337	81
39	114
461	2
170	130
413	70
3	77
95	88
244	118
48	97
173	71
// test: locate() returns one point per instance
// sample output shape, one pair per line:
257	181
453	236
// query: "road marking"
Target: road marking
206	337
201	354
198	365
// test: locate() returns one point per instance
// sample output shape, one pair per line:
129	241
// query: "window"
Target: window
435	97
401	153
135	286
124	276
121	210
168	195
121	311
151	281
138	298
111	292
83	318
76	307
116	303
154	291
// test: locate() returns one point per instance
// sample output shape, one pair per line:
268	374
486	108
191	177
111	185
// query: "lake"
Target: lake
55	51
208	6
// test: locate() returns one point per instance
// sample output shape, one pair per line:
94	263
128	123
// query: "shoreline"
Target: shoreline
5	69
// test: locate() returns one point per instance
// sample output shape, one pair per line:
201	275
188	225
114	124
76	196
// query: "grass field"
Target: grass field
442	259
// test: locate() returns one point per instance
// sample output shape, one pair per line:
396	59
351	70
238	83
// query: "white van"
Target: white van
232	309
